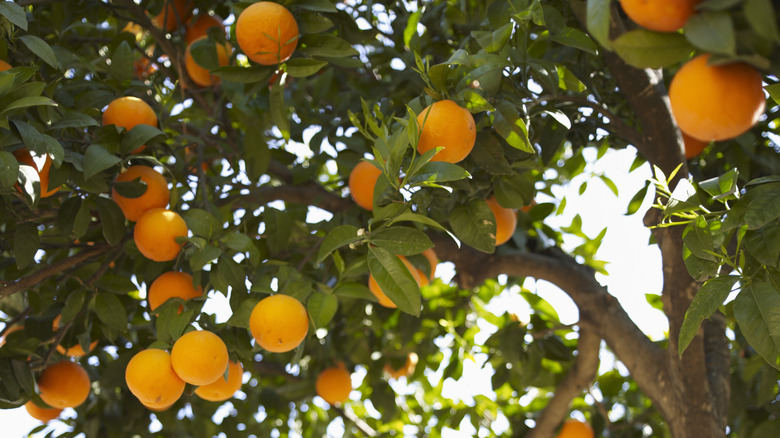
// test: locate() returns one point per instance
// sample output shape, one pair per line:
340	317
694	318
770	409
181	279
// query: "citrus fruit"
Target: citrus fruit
373	286
221	389
155	234
279	323
200	26
660	15
174	13
74	351
405	370
200	75
334	384
150	377
199	357
506	220
155	196
128	112
446	124
575	429
267	33
693	146
362	180
172	284
4	65
23	156
716	102
64	384
40	413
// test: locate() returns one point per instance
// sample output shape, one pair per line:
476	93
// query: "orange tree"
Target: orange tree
544	81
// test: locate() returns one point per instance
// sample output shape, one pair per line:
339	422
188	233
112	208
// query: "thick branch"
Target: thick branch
576	381
307	194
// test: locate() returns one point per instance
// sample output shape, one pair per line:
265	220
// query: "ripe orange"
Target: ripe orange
143	68
445	123
128	112
4	65
199	357
267	33
200	27
660	15
221	389
200	75
174	13
150	377
506	220
40	413
575	429
279	323
716	102
155	234
373	286
64	384
406	369
23	156
334	384
74	351
362	180
693	146
169	285
155	196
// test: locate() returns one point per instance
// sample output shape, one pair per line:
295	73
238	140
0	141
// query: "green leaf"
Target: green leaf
243	75
240	316
698	238
336	238
475	225
139	136
204	256
130	189
598	18
111	312
257	155
171	323
9	169
66	216
14	13
98	159
74	119
395	280
712	32
774	92
419	218
764	207
493	41
121	67
353	290
112	221
401	240
322	308
82	220
279	111
316	5
73	305
26	241
707	300
439	171
576	38
511	126
303	67
762	18
764	243
26	102
326	45
233	273
411	27
756	312
41	49
643	48
723	186
204	53
202	223
309	23
513	191
540	305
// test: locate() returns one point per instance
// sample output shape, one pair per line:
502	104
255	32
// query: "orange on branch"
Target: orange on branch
64	384
221	389
173	14
362	180
172	284
128	112
201	75
405	370
156	195
716	102
199	357
267	33
448	125
40	413
506	220
383	299
150	377
155	234
575	429
660	15
279	323
334	384
200	26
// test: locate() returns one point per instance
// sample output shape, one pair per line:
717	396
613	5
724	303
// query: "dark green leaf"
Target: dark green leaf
401	240
598	18
764	243
707	300
322	307
395	280
243	75
326	45
14	13
26	102
9	169
112	221
316	5
698	239
172	320
302	67
73	305
756	311
576	38
643	48
764	206
41	49
336	238
511	126
514	191
121	67
26	242
279	111
111	312
493	41
201	222
97	159
439	171
139	136
475	225
66	216
762	18
712	32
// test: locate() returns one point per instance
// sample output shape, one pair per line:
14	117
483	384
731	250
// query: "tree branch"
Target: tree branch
360	424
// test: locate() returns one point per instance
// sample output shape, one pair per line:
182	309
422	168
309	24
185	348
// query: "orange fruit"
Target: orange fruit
23	156
174	13
200	75
506	220
716	102
660	15
172	284
155	196
279	323
4	65
693	146
64	384
575	429
267	33
362	180
334	384
74	351
433	261
445	123
128	112
200	27
373	286
221	389
155	234
199	357
40	413
406	369
143	68
150	377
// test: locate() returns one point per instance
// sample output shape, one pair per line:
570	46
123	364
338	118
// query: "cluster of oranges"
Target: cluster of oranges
710	102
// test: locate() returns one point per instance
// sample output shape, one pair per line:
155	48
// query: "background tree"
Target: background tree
543	81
